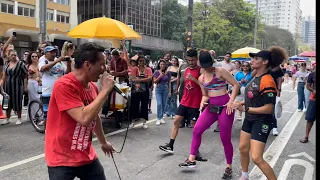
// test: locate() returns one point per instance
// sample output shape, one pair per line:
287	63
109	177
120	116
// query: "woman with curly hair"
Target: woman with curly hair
260	99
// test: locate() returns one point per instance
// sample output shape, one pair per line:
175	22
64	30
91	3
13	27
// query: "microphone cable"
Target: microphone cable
125	137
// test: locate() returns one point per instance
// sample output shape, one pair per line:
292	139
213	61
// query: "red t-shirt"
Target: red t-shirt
118	66
68	143
192	94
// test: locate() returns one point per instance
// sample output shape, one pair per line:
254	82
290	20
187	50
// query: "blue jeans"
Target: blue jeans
45	104
301	98
162	92
172	106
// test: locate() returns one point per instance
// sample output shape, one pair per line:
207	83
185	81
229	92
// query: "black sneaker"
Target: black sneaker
227	173
199	158
149	111
188	164
217	129
167	148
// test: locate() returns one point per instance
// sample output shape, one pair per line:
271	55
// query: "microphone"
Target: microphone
120	92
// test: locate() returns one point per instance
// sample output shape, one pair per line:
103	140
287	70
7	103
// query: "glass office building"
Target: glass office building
144	15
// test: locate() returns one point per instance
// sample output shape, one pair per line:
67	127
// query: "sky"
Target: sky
308	7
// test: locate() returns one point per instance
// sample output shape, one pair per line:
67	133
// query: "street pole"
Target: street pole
43	21
256	26
190	22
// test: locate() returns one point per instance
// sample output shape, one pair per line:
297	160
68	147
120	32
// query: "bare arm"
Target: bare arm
226	75
310	88
48	66
266	109
6	45
98	130
86	114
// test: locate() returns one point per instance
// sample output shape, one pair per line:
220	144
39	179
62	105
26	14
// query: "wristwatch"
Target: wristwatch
247	109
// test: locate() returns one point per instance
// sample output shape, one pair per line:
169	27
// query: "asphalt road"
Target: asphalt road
21	153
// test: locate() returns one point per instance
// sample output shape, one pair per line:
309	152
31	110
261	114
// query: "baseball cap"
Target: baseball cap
49	49
264	54
205	59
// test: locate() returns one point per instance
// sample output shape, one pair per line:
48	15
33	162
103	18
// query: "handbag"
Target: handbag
278	108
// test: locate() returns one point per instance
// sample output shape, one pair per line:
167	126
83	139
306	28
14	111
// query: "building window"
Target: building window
25	11
64	2
63	19
49	16
6	8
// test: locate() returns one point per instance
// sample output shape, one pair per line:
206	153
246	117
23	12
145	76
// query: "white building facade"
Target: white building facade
285	14
308	31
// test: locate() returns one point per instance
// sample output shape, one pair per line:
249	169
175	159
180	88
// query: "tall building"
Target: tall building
285	14
308	31
22	17
144	16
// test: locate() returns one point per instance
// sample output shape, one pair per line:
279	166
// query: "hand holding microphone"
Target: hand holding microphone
107	82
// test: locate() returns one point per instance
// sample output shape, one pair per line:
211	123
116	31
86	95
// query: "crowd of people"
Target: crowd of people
205	89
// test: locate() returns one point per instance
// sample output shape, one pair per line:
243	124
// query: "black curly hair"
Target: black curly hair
278	55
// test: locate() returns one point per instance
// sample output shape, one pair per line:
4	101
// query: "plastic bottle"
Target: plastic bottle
5	102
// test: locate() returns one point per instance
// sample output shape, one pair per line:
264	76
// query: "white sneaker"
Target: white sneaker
18	122
164	115
158	122
275	131
299	110
7	121
162	121
144	126
304	110
25	107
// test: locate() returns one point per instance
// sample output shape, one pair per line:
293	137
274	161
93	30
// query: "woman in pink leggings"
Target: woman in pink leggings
217	105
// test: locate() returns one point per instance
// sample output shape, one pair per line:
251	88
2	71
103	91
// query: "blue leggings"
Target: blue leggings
207	118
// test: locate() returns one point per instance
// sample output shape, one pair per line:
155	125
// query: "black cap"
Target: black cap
264	54
205	59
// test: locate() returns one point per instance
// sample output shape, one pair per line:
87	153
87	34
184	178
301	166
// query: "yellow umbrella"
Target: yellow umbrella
103	28
244	52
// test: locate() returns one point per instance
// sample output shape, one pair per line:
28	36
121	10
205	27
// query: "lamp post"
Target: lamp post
256	26
190	22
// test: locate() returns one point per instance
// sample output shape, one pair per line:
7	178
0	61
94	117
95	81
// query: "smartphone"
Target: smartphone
67	59
14	34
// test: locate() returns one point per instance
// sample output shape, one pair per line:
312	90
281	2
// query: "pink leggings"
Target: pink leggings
207	118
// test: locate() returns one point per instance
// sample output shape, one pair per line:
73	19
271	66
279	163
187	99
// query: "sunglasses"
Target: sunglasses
13	55
26	54
34	56
245	65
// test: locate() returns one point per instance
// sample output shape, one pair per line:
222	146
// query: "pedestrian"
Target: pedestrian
277	75
163	89
238	66
311	112
300	75
151	84
260	99
190	103
243	77
34	76
216	104
170	110
141	77
15	84
68	49
25	94
180	88
307	92
2	115
52	69
73	116
119	67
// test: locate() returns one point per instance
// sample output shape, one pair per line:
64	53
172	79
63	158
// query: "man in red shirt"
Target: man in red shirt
73	116
190	102
119	67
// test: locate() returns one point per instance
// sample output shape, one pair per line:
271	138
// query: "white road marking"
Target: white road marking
34	158
291	91
273	153
303	154
309	168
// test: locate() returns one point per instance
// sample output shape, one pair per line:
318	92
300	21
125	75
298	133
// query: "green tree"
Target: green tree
228	27
275	36
174	20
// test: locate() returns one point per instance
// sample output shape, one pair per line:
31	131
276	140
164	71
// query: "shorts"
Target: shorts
311	111
93	171
259	130
188	113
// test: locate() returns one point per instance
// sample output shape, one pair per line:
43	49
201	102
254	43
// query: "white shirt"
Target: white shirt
300	76
228	66
51	76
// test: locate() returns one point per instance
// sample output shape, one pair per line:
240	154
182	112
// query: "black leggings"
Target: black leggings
136	98
93	171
